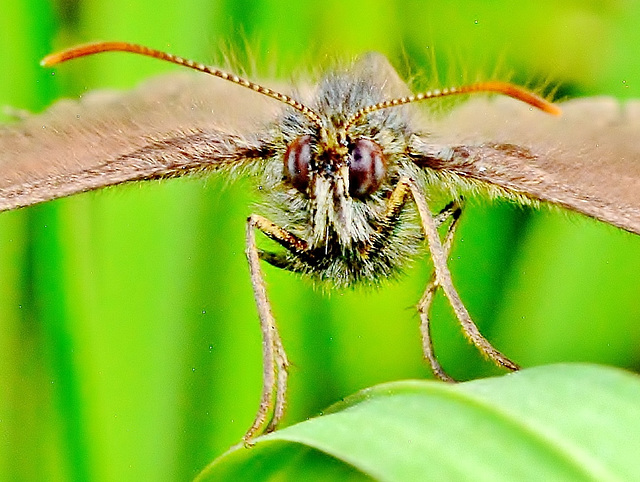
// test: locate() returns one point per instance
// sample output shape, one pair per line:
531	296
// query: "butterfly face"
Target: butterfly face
337	182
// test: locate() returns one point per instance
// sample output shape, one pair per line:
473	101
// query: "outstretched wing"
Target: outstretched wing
171	126
587	160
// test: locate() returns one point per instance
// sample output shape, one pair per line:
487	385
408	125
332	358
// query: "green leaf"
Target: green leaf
557	422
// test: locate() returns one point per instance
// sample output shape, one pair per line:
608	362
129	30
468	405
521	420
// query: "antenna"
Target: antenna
99	47
504	88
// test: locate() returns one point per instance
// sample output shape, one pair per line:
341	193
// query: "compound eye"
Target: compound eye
297	160
367	168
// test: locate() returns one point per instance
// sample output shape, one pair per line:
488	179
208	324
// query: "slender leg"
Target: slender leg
274	358
443	279
453	211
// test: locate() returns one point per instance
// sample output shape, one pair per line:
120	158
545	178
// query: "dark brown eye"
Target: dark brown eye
367	168
296	162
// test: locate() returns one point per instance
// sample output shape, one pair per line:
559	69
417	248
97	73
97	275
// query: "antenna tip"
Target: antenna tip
50	60
553	109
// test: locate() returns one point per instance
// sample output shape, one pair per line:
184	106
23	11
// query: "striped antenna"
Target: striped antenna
504	88
99	47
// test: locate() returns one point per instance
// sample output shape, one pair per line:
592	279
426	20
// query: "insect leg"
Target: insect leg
274	358
443	279
453	211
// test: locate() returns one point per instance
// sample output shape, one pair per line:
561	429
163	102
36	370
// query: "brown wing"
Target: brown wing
587	160
173	125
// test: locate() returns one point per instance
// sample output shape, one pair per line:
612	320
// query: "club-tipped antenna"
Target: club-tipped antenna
99	47
504	88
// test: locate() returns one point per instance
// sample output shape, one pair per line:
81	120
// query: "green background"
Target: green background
129	341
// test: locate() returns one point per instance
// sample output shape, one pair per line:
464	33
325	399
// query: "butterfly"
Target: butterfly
347	170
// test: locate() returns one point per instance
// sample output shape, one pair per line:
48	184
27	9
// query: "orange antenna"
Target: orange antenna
99	47
504	88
